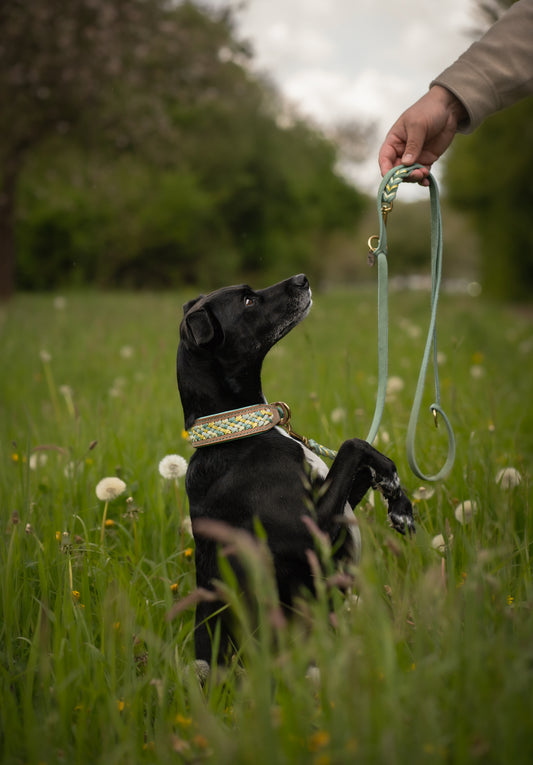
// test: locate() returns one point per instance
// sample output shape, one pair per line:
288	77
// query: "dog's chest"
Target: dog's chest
317	465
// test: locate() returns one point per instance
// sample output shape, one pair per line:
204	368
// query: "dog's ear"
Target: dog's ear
187	307
198	326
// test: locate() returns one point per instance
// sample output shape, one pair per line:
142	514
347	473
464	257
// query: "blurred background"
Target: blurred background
155	144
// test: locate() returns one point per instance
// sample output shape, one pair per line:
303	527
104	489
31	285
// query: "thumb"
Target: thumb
413	145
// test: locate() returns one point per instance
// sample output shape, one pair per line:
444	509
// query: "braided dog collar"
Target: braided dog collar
238	423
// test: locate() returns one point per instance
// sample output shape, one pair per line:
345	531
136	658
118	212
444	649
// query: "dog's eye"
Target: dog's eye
248	301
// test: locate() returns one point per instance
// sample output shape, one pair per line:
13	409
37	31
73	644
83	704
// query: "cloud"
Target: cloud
340	60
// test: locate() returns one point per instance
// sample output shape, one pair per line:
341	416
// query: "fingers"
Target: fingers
397	150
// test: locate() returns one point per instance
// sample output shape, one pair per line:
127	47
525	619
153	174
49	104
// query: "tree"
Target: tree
488	176
95	71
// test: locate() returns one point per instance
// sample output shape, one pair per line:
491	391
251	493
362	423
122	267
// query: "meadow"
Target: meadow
428	660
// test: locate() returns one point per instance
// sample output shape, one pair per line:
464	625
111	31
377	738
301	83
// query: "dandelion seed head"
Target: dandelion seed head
109	488
69	470
127	351
423	492
395	384
37	460
465	511
338	415
60	303
508	478
187	525
439	543
477	371
173	466
45	356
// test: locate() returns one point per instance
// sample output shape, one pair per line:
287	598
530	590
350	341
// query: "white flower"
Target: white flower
109	488
383	437
70	469
439	543
45	356
338	415
465	511
423	492
477	371
127	351
173	466
395	385
37	459
508	478
186	525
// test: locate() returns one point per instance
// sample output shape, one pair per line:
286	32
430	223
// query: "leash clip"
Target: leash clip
285	422
435	417
386	208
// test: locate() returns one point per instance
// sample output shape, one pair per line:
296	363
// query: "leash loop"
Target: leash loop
386	195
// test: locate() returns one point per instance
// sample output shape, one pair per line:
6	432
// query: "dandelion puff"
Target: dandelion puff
395	384
465	511
127	351
186	526
106	490
45	356
508	478
37	460
173	466
423	492
110	488
69	470
338	415
439	543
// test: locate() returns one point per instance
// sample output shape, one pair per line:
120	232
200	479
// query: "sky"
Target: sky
361	60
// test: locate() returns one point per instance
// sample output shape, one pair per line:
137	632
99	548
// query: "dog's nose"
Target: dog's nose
300	280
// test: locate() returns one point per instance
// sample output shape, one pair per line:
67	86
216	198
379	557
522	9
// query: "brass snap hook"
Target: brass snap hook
371	239
285	412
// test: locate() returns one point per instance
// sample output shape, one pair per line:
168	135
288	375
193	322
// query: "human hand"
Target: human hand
422	133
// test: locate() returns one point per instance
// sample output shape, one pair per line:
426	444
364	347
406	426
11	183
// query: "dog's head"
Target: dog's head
238	323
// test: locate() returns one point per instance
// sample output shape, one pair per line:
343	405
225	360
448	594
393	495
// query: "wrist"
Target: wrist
450	101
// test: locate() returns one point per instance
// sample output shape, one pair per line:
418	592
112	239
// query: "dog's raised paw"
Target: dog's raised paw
401	515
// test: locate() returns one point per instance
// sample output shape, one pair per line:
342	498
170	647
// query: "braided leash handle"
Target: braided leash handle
386	195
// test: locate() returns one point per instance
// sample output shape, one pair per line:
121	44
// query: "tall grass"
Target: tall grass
430	659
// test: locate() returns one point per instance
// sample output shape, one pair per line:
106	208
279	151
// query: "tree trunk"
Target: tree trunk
8	190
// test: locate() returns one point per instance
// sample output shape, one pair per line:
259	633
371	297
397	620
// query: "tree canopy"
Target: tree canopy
488	177
137	148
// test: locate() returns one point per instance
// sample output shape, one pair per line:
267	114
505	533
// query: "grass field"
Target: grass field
432	663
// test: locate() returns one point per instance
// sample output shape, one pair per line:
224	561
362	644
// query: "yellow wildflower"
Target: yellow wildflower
319	740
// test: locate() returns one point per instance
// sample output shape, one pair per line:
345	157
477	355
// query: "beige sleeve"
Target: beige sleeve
496	71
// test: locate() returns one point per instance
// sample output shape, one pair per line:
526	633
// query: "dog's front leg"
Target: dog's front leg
357	468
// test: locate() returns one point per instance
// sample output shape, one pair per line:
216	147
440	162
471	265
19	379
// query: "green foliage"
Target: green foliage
165	162
489	177
435	657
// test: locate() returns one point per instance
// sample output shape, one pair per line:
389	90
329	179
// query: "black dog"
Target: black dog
224	338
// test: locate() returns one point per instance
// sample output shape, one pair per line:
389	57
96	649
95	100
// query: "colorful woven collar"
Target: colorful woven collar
238	423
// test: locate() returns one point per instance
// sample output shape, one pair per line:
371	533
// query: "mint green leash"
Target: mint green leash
257	418
386	195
